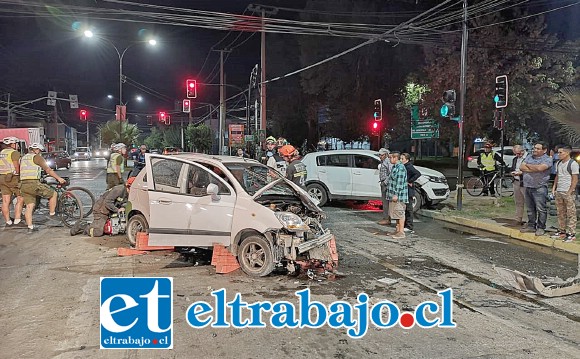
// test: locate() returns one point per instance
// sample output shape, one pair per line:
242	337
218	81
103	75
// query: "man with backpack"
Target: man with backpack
564	191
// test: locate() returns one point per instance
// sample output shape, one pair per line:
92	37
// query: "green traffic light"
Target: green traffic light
496	98
444	110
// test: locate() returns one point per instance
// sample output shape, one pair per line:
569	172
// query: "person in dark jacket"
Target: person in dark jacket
412	175
112	201
296	170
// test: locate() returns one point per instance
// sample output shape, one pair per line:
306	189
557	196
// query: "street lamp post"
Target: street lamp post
120	55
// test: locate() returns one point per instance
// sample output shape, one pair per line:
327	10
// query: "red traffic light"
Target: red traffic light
191	88
186	106
162	116
375	125
84	114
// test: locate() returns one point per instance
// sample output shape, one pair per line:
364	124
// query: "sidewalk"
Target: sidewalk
496	215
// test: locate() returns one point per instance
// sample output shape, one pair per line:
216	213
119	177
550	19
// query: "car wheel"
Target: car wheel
68	165
255	256
318	191
417	201
137	223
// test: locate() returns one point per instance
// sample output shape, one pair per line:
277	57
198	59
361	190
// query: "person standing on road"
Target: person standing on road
397	194
519	189
31	167
110	202
10	180
116	165
536	174
384	172
296	170
487	164
139	161
274	160
564	190
412	175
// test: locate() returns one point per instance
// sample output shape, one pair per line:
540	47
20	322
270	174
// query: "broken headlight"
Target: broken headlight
291	221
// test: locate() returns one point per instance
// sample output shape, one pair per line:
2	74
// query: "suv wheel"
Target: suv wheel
317	191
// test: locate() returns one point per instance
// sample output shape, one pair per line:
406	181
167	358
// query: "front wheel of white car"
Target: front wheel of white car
417	201
137	223
317	191
255	256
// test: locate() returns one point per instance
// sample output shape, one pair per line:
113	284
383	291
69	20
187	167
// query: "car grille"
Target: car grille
440	191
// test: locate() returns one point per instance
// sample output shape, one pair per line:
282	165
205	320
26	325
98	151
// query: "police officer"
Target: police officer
486	162
31	166
296	170
116	165
274	159
139	161
10	180
110	202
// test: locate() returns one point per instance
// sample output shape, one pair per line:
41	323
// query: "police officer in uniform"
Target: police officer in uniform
275	161
296	170
31	166
486	162
10	180
116	165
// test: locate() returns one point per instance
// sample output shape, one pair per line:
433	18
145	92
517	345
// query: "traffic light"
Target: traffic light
162	117
186	106
498	120
448	108
378	113
375	127
83	115
168	120
501	91
191	88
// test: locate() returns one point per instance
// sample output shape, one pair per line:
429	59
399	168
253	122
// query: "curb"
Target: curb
498	229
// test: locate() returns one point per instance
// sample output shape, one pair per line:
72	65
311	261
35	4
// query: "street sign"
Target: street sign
249	138
236	135
423	129
51	98
120	112
262	135
74	101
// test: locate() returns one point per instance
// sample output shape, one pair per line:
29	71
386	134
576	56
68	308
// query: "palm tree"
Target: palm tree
566	113
110	132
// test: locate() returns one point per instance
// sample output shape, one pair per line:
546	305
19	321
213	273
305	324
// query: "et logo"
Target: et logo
136	313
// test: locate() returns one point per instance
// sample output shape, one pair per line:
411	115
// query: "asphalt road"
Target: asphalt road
50	293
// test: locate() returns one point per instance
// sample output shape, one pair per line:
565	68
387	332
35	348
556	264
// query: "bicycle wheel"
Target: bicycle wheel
504	187
69	208
86	197
474	186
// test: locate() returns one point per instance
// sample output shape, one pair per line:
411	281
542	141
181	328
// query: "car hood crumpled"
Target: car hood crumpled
308	201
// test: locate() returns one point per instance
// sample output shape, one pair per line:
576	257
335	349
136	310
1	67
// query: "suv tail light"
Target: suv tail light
469	158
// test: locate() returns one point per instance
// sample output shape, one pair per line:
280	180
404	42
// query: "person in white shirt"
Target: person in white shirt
519	189
564	191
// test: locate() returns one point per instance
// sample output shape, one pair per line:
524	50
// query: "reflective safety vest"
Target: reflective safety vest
6	164
28	169
111	165
488	161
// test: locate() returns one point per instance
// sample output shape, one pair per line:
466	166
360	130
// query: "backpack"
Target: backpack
569	166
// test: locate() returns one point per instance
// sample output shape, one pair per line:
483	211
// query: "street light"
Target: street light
120	55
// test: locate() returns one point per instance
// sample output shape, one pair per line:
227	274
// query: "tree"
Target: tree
109	132
199	138
171	136
155	139
566	114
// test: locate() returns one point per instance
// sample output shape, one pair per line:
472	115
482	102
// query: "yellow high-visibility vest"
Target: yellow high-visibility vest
28	169
6	164
488	161
112	161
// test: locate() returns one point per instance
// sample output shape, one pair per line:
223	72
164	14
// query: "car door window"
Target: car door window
333	160
166	174
361	161
198	178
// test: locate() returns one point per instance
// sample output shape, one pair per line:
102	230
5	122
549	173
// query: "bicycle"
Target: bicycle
68	206
504	185
86	197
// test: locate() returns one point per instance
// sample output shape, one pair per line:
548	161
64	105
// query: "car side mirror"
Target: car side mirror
213	189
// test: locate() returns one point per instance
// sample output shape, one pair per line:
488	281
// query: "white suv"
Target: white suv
508	156
354	174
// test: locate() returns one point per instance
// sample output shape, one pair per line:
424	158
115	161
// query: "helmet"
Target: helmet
36	145
271	139
282	141
119	146
10	140
287	150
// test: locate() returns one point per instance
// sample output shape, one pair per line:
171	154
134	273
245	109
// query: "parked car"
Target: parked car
57	160
171	150
82	153
354	175
155	151
102	153
195	200
508	156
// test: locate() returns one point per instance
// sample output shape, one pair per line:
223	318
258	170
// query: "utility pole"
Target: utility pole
222	103
463	86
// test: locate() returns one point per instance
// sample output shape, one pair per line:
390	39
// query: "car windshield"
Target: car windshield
254	176
82	149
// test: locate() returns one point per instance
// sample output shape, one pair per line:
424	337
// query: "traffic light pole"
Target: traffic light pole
462	109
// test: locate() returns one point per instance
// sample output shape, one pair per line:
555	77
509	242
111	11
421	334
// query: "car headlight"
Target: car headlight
437	179
76	154
291	221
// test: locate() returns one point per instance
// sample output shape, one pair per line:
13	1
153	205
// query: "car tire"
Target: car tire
137	223
316	190
255	256
68	165
417	201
